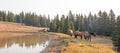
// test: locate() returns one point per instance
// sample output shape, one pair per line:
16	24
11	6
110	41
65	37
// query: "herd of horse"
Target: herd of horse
86	35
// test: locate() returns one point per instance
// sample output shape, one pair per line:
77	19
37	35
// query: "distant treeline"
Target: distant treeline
30	19
102	23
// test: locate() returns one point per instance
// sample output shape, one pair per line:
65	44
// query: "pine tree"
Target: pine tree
35	20
1	15
4	16
99	23
54	26
82	22
28	19
106	24
116	35
94	23
66	25
71	25
71	16
100	13
11	17
17	18
111	22
86	24
57	23
40	21
48	21
78	22
90	22
22	17
102	23
52	29
62	23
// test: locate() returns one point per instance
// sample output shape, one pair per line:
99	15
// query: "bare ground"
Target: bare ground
54	45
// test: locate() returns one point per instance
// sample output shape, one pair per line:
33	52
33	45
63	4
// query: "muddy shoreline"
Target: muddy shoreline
54	45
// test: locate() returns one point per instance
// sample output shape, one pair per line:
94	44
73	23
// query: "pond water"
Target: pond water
24	44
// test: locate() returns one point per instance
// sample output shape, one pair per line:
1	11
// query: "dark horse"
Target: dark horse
87	35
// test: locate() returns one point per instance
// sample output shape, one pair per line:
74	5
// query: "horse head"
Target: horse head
70	32
92	33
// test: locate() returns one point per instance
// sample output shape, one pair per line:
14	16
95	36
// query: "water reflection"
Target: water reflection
24	44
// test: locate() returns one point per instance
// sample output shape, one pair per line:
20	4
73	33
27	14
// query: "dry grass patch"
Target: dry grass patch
87	48
10	26
10	29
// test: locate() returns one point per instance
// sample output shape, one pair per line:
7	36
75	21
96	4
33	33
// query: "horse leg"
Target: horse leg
70	35
75	36
81	37
87	38
90	38
84	37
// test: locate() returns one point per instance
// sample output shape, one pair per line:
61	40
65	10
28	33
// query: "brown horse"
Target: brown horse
43	30
87	35
78	33
70	32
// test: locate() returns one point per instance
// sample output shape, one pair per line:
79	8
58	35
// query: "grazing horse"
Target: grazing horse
43	30
87	35
78	33
70	32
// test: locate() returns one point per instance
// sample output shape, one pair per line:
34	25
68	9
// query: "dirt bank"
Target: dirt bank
55	44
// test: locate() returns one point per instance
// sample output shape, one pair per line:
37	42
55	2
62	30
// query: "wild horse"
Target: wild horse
70	32
87	35
76	33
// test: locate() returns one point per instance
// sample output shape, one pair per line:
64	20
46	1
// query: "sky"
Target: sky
54	7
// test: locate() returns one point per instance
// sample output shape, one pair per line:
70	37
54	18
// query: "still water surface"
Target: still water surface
24	44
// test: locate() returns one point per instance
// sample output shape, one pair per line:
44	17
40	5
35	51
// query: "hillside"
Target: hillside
10	29
10	26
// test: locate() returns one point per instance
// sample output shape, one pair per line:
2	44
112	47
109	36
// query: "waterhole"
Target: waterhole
24	44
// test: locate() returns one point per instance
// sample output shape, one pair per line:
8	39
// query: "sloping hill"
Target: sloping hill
9	26
10	29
